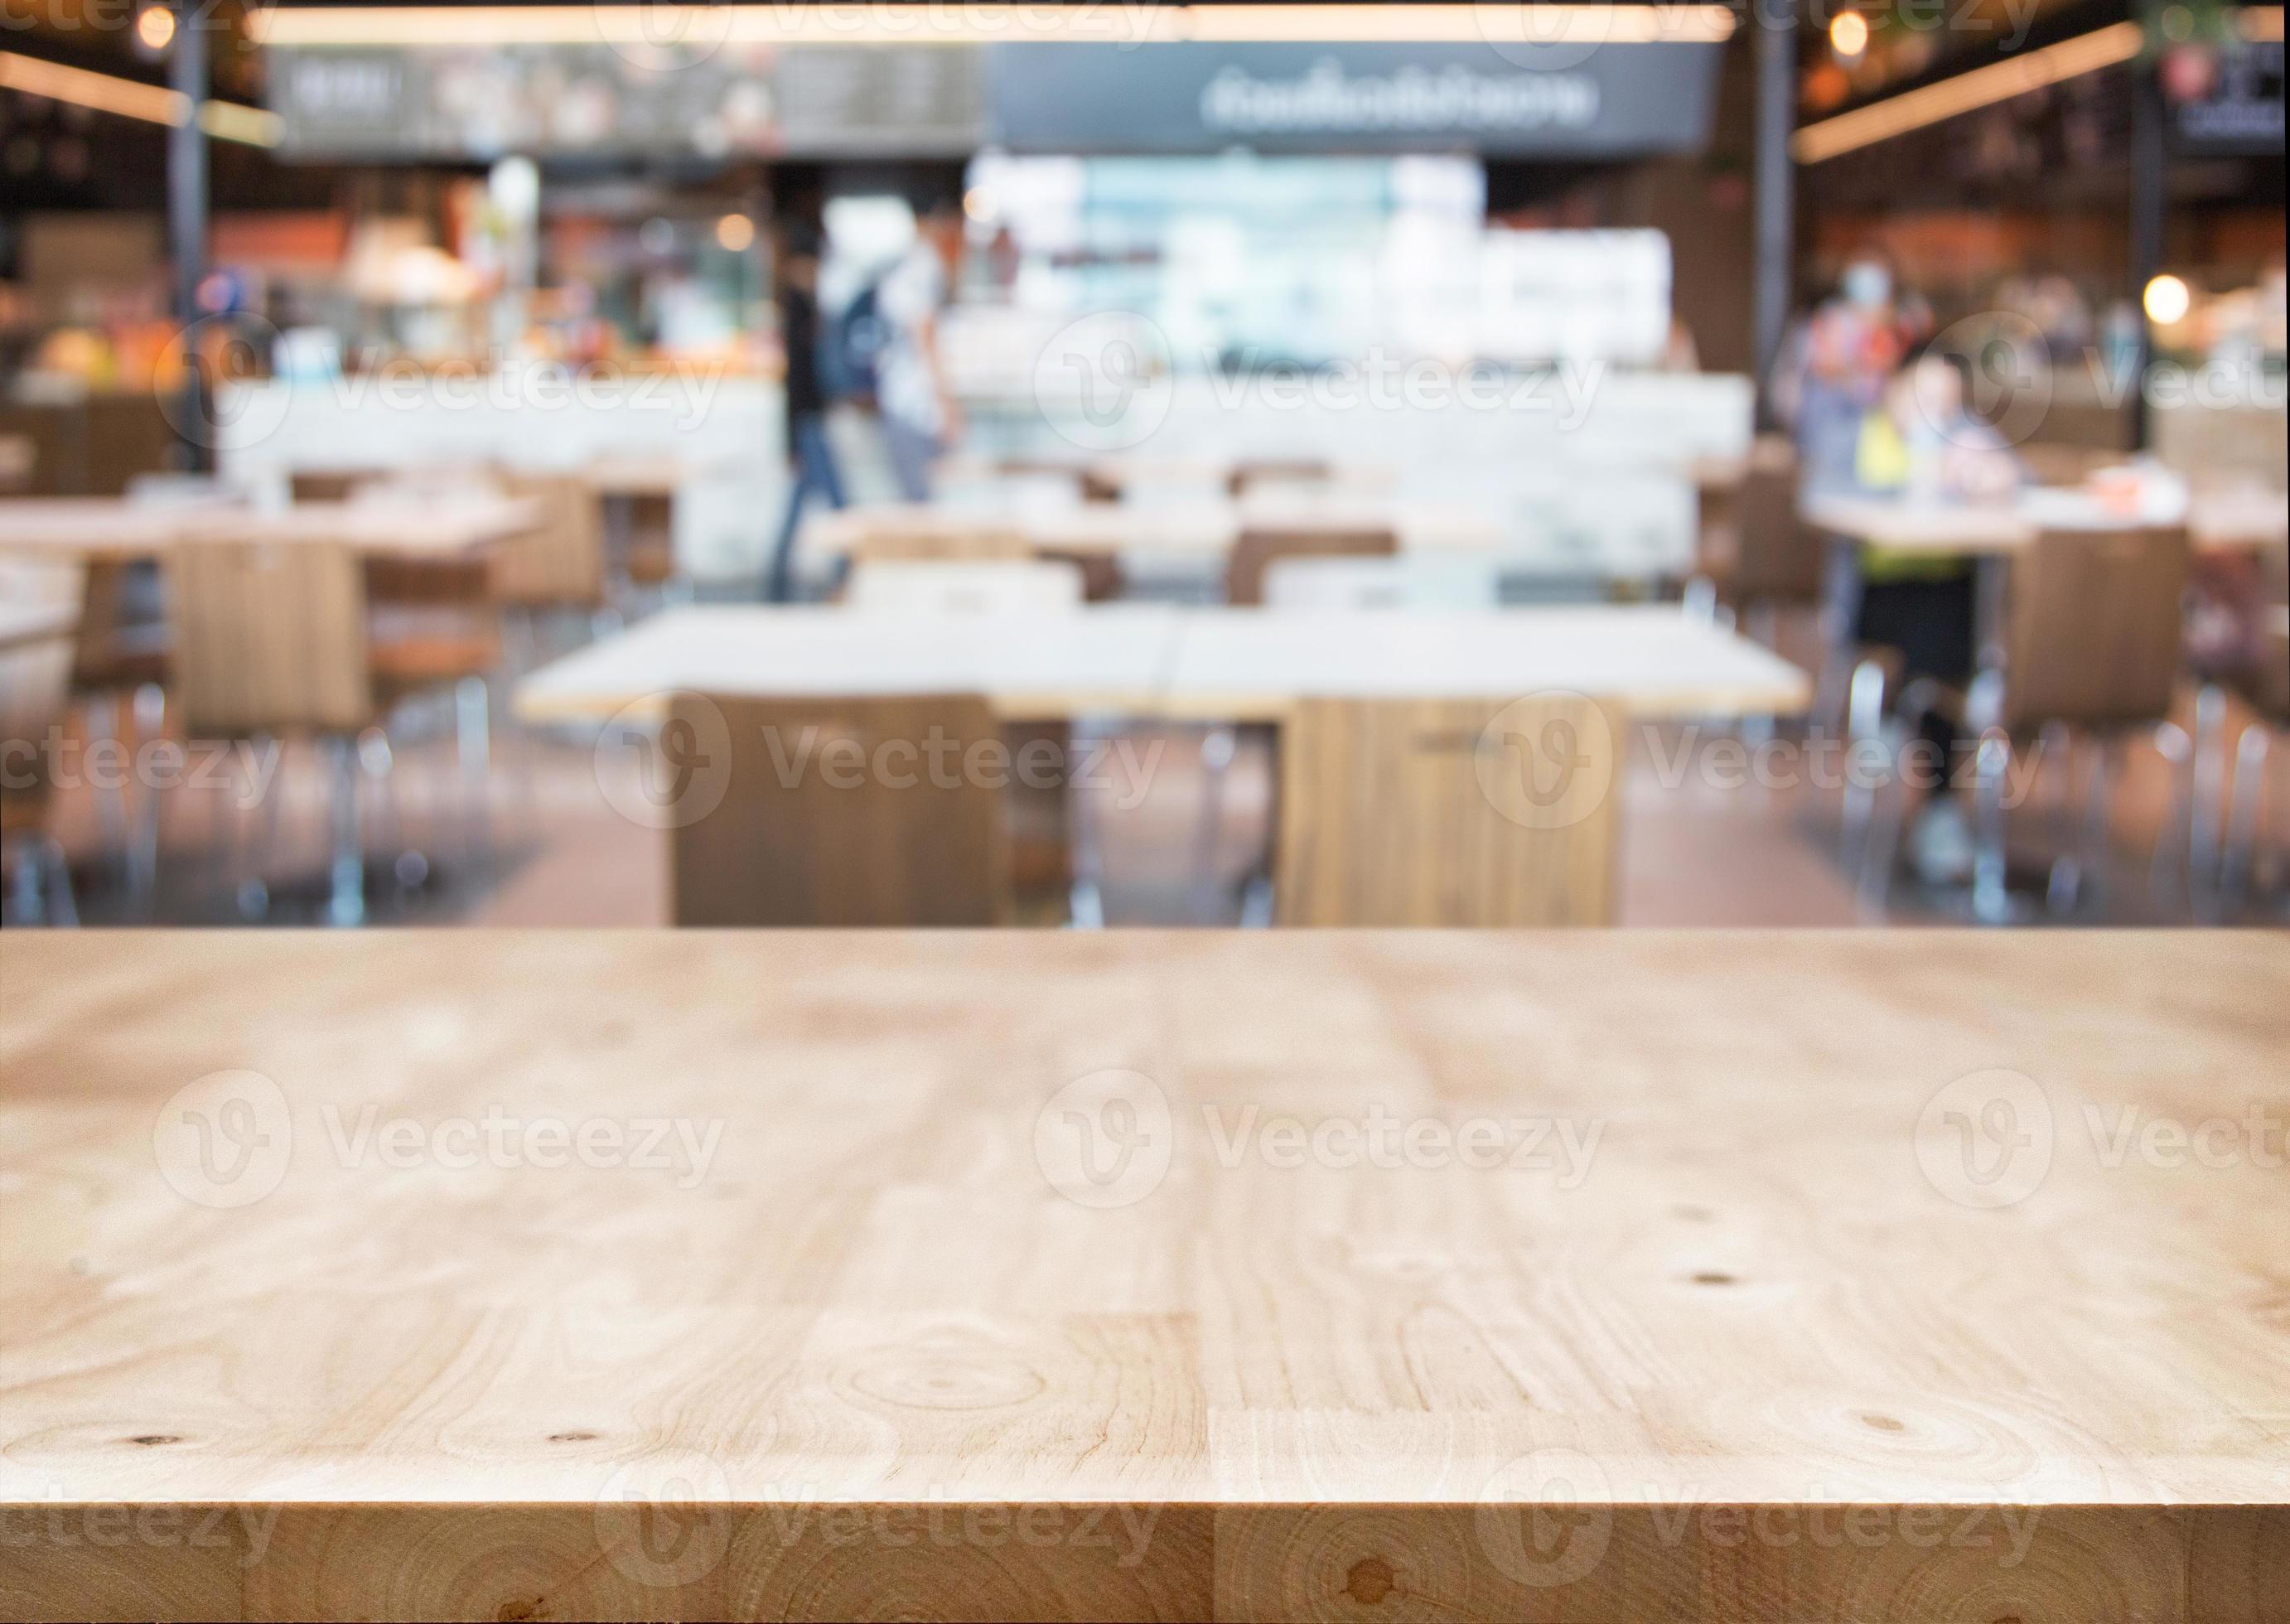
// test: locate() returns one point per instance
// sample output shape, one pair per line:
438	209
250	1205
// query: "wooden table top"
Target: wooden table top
1194	1276
2222	523
1159	660
109	528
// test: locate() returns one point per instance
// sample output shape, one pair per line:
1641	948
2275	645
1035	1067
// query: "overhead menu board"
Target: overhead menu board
413	103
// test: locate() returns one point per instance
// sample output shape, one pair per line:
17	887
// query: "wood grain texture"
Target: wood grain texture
839	812
916	1340
112	529
268	637
1453	812
2092	629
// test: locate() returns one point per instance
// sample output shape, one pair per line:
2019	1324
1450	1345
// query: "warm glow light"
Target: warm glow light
1982	87
1849	35
2167	301
934	22
126	99
735	232
155	27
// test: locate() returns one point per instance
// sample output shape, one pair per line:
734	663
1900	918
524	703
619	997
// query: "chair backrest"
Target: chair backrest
843	811
560	562
943	539
270	636
1449	812
1258	548
35	672
2092	634
1405	580
1283	470
989	587
1777	557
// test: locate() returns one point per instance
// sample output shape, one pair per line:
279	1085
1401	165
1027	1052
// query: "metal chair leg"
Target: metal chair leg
473	745
2241	842
2207	772
1864	719
1218	747
2171	843
346	903
1992	900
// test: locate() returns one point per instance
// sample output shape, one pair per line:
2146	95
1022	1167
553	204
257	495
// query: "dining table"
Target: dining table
1731	1276
115	530
1163	661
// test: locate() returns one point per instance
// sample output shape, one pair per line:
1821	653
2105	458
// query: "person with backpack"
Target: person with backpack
811	457
920	418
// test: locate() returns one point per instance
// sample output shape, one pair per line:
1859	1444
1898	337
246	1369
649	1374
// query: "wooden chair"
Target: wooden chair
789	845
1448	813
2091	644
1275	470
560	564
35	697
1256	550
1405	580
991	586
937	538
1777	562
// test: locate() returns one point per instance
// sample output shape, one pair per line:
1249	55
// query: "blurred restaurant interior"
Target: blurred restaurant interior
1802	481
1849	441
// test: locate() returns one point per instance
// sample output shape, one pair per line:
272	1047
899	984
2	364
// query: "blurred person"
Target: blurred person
1926	445
802	240
920	418
1836	369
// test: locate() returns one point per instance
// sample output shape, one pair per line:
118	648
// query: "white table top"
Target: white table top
108	527
1030	667
1253	664
1157	661
2223	521
26	623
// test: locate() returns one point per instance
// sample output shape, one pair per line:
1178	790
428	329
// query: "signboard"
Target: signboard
1558	102
2241	112
462	103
